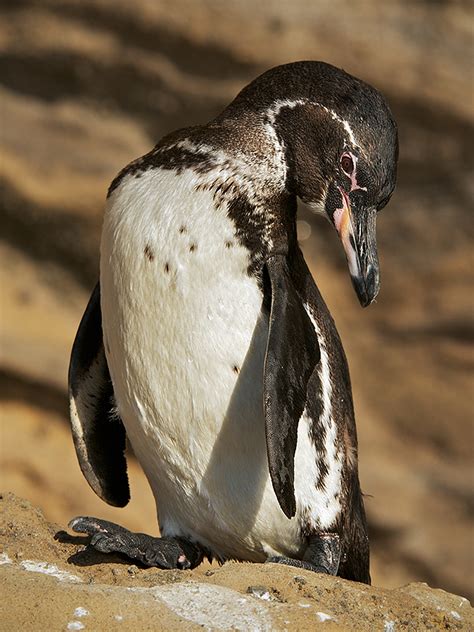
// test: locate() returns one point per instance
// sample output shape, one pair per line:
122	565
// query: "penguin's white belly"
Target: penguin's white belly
185	338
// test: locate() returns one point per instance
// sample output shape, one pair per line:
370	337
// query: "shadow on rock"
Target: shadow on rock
87	555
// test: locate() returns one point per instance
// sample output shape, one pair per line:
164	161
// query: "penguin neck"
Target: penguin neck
248	171
252	149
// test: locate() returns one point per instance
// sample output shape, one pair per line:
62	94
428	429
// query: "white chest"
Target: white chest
185	341
185	338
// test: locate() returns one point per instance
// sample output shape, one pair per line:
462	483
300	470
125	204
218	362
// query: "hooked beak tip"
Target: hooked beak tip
367	286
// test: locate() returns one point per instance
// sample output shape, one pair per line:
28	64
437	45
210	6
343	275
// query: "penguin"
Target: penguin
207	343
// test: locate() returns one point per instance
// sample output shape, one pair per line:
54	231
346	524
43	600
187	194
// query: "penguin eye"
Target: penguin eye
347	164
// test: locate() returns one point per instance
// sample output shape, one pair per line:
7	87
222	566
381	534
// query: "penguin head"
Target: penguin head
341	149
356	174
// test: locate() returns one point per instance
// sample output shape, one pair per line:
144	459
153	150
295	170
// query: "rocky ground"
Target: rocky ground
49	582
88	85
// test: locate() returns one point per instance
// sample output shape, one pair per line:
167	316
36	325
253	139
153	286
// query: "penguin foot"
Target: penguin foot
166	553
322	555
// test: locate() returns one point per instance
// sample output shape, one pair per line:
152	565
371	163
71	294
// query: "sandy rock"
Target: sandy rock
50	582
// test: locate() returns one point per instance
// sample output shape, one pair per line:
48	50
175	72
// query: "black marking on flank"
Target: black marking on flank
182	229
229	244
236	369
167	267
149	254
192	247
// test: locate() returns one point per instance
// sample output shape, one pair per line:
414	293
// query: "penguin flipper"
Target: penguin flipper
291	356
98	433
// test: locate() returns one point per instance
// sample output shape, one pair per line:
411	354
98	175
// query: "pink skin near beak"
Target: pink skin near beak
343	223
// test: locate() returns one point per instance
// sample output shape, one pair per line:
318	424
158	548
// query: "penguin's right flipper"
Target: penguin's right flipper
99	435
291	357
108	537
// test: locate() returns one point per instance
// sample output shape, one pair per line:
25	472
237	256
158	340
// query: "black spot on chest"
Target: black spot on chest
149	254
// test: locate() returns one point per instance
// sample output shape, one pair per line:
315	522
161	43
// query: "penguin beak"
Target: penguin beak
356	228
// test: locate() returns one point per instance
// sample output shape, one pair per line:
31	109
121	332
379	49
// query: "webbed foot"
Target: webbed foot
167	553
322	555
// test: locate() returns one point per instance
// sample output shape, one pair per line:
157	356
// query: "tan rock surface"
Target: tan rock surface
49	585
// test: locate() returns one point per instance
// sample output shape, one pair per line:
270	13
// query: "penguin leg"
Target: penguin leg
108	537
322	555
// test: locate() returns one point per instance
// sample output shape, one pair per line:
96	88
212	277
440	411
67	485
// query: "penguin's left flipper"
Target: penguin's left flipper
323	555
291	357
98	433
166	553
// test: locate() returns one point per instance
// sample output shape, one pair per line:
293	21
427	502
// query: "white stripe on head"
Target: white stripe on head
274	110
